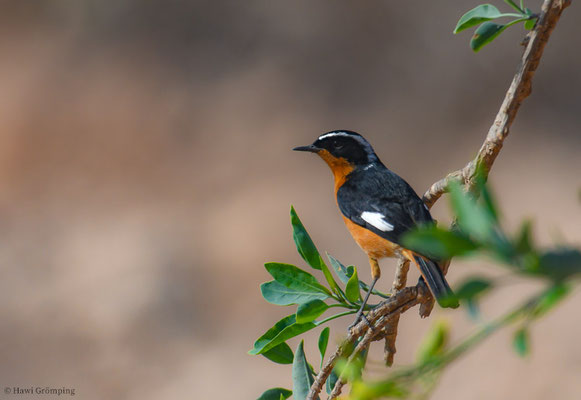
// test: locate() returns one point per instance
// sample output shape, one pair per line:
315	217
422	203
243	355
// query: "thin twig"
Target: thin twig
337	389
519	89
390	310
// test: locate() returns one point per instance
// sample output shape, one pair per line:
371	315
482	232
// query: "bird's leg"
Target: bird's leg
375	274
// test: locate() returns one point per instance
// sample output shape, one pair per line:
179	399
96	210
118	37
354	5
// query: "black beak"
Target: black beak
309	148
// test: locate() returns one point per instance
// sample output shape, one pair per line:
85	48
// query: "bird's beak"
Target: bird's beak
310	148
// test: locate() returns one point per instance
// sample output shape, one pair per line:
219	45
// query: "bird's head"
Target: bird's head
345	148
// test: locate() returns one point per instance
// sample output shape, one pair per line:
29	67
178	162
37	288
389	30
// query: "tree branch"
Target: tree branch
519	89
377	318
390	331
389	311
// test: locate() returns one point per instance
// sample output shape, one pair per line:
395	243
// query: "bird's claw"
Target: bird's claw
360	316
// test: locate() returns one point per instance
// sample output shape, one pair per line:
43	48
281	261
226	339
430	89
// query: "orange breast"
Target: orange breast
339	166
374	245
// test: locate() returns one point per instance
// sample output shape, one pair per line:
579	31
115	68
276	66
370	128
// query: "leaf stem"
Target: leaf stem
332	317
476	338
376	292
344	305
513	5
516	21
519	15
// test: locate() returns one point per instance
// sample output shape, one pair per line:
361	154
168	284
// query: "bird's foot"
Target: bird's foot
360	316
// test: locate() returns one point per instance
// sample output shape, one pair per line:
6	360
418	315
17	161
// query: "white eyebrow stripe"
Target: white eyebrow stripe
349	135
331	134
377	220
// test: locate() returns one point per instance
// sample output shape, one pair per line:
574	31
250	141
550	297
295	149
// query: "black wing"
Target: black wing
379	200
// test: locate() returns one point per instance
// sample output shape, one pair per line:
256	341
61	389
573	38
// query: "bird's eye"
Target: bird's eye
337	145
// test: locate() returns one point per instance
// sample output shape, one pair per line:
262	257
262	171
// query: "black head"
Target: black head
347	145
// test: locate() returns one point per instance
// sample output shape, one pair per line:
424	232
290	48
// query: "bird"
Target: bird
378	207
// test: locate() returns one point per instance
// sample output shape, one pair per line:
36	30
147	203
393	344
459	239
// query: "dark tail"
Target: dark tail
437	283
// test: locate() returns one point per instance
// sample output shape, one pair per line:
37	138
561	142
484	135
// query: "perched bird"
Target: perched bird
378	207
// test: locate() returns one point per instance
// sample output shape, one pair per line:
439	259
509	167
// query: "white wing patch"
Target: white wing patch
376	219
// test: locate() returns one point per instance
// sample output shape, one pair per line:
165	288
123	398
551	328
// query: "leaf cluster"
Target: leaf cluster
292	285
487	31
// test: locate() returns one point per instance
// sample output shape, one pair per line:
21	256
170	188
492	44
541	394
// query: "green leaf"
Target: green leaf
484	12
472	219
323	341
363	390
302	374
304	243
295	278
484	191
276	394
331	281
553	296
351	370
472	288
438	243
269	335
513	5
530	23
352	288
308	312
339	268
523	242
560	264
520	342
281	354
275	293
435	342
283	330
331	381
344	273
309	252
485	34
473	309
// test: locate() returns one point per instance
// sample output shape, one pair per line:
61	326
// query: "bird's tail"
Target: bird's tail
436	281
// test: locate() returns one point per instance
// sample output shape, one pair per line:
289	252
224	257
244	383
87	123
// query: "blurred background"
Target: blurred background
147	174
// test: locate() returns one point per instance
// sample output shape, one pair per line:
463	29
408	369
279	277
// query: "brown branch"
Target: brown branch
386	314
377	318
390	331
519	89
401	275
384	318
337	389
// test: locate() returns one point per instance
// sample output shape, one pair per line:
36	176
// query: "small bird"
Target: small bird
378	207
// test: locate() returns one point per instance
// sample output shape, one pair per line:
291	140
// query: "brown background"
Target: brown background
146	175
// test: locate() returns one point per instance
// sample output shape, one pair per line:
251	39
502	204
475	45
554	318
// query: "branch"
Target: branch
390	331
378	318
519	89
389	311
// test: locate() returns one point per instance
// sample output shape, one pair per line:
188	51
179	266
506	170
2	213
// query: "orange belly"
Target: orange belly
374	245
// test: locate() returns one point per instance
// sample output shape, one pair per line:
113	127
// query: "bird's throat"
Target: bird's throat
339	166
